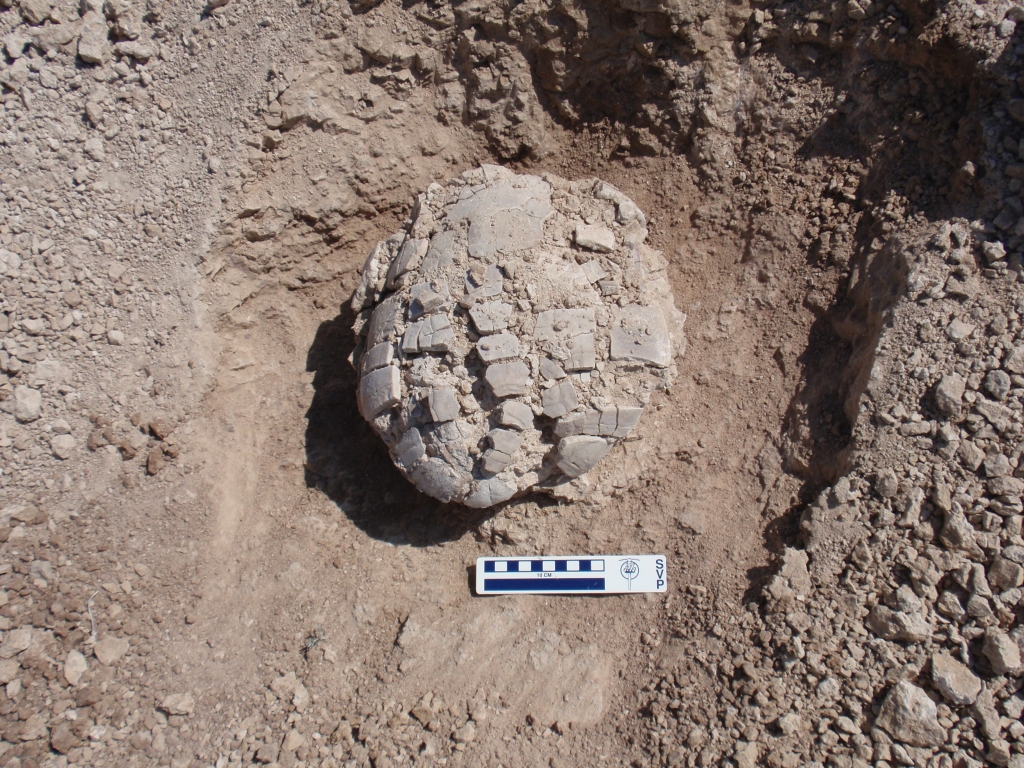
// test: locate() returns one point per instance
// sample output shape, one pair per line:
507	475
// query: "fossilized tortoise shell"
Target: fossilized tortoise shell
511	333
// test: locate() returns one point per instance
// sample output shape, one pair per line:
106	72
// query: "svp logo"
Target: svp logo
659	571
629	570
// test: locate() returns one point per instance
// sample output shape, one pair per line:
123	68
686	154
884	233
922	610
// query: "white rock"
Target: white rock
93	47
491	316
28	404
908	715
10	263
110	650
559	400
178	704
594	237
958	330
515	414
500	346
33	326
62	446
488	492
954	681
35	11
465	734
949	394
1002	651
642	334
379	390
14	642
9	669
507	379
292	741
51	371
289	688
579	454
75	665
444	406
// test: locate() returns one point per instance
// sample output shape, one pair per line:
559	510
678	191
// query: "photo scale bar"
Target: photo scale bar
571	574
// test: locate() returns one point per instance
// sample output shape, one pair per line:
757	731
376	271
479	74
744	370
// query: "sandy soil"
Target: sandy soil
208	557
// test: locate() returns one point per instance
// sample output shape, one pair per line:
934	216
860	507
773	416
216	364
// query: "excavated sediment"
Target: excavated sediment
835	473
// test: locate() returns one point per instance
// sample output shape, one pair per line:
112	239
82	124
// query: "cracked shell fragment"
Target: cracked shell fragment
494	358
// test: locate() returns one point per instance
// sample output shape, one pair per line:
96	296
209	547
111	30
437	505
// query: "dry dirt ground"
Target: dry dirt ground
208	557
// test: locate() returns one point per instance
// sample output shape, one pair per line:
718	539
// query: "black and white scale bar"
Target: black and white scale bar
571	575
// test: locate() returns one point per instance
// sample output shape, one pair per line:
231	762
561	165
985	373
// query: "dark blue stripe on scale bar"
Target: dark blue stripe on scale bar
543	585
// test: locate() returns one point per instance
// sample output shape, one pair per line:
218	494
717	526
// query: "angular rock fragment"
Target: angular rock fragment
625	209
954	681
109	650
551	370
958	330
93	46
908	715
504	444
28	404
508	379
505	440
409	450
500	346
382	354
594	237
439	479
1005	574
35	11
434	334
613	422
384	321
486	322
515	414
594	271
997	383
949	394
491	316
178	704
483	284
580	454
441	252
958	534
488	492
426	299
1002	651
379	390
642	335
1014	359
559	400
568	335
409	257
75	666
444	406
887	484
897	625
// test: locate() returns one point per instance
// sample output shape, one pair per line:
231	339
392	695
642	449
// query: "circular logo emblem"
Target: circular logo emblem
629	569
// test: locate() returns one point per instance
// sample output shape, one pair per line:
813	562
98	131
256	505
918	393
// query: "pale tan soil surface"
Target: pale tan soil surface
208	557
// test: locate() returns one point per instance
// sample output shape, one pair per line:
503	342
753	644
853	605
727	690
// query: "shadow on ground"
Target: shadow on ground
348	462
